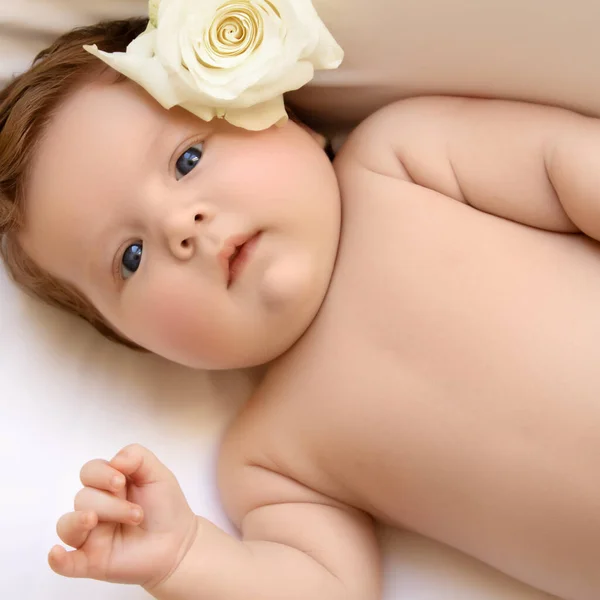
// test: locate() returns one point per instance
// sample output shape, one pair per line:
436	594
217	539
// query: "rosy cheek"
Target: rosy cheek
173	317
167	318
180	323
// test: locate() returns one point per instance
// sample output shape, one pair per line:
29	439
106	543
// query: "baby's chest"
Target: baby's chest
441	324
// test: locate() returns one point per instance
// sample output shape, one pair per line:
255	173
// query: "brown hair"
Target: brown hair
27	106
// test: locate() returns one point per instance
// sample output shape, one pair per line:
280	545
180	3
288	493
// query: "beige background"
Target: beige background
542	50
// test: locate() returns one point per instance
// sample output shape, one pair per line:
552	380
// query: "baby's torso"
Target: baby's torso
450	382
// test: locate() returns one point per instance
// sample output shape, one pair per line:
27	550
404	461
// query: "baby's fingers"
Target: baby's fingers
69	564
74	528
141	466
108	507
99	474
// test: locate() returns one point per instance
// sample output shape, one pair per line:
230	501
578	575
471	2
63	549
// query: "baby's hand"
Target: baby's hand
131	524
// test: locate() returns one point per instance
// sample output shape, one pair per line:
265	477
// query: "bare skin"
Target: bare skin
448	385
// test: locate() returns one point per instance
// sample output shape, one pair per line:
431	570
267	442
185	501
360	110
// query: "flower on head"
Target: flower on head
231	59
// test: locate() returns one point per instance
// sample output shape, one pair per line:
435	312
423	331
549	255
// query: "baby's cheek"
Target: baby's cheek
182	326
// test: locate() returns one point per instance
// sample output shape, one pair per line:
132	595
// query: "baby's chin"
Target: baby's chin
289	282
291	292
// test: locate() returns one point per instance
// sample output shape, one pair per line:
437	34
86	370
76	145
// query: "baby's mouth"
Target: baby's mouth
236	255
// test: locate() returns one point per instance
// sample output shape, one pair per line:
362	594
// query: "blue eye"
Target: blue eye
131	259
189	160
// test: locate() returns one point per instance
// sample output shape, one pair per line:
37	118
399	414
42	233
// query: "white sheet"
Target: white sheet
67	395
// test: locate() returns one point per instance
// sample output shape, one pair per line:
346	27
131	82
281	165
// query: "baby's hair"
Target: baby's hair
27	106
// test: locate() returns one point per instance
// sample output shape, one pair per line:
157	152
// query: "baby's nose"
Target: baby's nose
182	233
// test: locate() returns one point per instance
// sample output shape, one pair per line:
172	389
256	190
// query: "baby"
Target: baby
427	309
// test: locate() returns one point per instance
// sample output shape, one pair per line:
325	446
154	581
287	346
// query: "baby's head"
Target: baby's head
209	245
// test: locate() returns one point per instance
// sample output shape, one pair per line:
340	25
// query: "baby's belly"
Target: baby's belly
451	383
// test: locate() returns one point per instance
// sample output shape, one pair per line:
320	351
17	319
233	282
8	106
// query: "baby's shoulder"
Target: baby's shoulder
372	146
268	448
260	448
364	144
369	148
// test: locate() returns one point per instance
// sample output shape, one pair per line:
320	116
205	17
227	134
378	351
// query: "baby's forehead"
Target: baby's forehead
93	149
92	129
103	108
103	129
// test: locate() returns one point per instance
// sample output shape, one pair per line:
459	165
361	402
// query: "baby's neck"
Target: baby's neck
258	373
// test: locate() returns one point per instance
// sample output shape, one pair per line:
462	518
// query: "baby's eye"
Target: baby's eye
188	161
131	259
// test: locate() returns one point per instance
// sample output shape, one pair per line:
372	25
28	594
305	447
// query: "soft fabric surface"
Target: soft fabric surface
66	395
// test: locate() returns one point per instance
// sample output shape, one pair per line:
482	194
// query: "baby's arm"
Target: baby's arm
297	545
532	164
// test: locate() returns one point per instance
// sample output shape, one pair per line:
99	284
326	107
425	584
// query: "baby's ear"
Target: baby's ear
320	139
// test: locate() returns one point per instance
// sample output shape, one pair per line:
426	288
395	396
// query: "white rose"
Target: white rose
232	59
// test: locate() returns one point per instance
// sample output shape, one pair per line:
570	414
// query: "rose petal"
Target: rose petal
200	110
328	54
143	45
295	78
153	12
260	116
238	78
146	72
172	13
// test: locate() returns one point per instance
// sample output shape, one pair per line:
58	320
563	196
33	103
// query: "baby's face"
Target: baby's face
203	243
